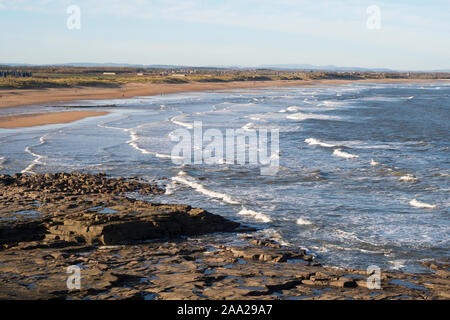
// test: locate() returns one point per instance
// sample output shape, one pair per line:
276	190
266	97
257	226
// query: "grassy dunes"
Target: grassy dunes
68	77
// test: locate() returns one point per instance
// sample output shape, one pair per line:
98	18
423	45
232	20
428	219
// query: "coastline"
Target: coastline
26	97
29	97
145	264
40	119
133	249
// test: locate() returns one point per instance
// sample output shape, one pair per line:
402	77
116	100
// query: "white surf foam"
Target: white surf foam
274	235
105	124
166	156
317	142
346	235
133	142
37	157
181	123
419	204
2	161
256	118
293	109
170	188
397	264
259	216
343	154
248	126
303	222
297	116
134	138
304	116
331	103
408	178
183	178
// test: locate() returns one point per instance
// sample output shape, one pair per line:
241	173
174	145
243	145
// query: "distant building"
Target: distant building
17	74
109	73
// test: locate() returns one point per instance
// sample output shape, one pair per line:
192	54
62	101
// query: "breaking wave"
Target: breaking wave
258	216
183	178
419	204
317	142
304	116
38	157
303	222
343	154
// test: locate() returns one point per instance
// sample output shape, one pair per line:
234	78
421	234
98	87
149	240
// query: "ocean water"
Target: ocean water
364	168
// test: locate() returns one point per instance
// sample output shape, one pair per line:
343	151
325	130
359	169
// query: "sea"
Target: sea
363	170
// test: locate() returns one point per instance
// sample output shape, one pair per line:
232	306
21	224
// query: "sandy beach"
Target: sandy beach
24	97
29	97
39	119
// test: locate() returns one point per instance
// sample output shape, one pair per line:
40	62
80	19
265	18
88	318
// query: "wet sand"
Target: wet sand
39	119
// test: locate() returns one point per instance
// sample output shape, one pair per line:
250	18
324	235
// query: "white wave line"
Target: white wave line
258	216
303	222
38	157
342	154
201	189
133	141
419	204
408	178
180	123
313	142
103	125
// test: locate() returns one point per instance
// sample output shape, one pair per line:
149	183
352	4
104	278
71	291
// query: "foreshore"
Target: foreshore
40	119
133	249
29	97
23	97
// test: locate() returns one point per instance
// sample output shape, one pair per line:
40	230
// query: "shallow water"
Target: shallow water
364	168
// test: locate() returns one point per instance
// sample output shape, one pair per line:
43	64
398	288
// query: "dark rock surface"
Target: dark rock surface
130	249
48	208
201	268
76	183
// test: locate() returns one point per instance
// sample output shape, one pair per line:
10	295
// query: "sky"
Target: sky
401	35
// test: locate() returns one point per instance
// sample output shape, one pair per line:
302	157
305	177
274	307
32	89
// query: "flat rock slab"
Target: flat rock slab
202	268
137	221
91	209
50	224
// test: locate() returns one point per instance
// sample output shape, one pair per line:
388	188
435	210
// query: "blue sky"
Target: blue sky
414	35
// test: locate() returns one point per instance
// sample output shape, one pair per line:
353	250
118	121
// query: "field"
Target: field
68	77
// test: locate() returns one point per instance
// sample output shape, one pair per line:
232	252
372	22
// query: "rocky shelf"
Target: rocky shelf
132	249
91	209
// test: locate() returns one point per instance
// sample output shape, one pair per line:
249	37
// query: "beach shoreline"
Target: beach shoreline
27	97
40	119
32	97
